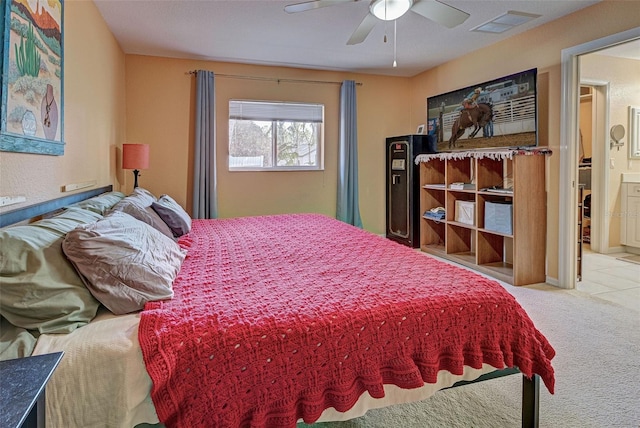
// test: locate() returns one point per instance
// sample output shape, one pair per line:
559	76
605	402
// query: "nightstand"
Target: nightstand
22	385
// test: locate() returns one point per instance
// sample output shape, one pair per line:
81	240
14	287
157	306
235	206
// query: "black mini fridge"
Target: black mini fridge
403	186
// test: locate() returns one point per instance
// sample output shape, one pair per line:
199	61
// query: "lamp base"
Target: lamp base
135	178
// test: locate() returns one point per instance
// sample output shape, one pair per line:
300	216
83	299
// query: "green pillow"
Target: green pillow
15	342
68	219
39	287
101	203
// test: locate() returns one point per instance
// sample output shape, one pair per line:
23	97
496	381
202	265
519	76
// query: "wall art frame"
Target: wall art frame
32	66
634	132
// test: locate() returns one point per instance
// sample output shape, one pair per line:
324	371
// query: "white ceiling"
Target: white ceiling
628	50
261	32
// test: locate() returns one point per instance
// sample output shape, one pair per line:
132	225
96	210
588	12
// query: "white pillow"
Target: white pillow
144	194
124	262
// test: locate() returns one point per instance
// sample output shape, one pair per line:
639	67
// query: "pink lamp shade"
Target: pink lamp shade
135	156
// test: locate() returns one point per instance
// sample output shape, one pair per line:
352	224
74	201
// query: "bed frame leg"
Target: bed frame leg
530	401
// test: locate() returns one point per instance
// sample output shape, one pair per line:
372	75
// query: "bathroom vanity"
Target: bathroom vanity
630	201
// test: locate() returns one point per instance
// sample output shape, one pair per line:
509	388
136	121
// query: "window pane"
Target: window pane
297	144
250	143
275	135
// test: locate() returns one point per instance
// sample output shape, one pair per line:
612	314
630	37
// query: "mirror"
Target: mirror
634	132
617	134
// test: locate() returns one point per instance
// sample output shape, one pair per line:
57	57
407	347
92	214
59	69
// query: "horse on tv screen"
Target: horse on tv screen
498	113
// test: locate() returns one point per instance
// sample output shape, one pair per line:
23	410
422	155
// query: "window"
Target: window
267	135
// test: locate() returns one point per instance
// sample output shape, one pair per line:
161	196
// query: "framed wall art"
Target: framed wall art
32	77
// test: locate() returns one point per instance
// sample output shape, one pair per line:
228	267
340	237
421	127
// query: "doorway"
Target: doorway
593	172
569	157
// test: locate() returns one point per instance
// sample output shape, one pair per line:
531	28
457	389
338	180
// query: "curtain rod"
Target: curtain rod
275	79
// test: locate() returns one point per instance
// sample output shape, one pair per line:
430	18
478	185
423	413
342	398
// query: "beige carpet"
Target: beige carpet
597	374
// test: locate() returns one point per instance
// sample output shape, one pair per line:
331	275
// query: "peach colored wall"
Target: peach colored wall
94	115
541	48
160	102
158	111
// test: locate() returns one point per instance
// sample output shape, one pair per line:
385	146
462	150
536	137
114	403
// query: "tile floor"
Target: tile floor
606	277
603	276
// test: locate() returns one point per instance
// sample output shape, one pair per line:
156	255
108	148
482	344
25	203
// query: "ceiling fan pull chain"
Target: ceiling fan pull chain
385	32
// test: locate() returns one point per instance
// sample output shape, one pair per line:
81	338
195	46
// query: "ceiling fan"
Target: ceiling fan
388	10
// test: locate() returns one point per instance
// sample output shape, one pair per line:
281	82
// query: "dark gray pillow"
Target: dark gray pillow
173	214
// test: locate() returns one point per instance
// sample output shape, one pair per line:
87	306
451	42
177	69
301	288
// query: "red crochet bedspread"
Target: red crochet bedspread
276	318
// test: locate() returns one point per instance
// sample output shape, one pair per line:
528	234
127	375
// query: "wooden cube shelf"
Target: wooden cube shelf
506	176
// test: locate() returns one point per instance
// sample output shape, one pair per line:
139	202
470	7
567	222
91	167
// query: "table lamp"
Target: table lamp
135	157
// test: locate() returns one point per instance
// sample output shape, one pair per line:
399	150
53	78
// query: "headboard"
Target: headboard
31	211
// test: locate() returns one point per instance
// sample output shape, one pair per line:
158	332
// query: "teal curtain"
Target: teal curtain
348	208
205	199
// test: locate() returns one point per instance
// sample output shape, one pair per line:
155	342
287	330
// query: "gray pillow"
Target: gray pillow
40	288
172	214
138	205
124	262
144	195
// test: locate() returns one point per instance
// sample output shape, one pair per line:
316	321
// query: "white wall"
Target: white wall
623	77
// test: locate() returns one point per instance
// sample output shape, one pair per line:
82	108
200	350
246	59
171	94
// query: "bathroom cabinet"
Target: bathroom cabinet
630	224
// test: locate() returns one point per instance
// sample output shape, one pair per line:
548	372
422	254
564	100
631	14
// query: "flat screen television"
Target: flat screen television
497	113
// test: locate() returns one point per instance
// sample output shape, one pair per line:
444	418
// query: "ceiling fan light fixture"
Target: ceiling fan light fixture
388	10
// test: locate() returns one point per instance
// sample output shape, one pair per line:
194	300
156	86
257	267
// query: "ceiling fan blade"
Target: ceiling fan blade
363	29
310	5
439	12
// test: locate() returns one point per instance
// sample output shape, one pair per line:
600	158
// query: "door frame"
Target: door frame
569	136
599	164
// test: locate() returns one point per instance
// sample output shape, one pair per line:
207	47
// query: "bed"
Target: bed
271	320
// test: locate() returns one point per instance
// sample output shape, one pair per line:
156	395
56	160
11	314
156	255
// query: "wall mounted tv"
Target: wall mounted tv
498	113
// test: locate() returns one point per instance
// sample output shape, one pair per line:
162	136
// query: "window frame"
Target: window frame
319	121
